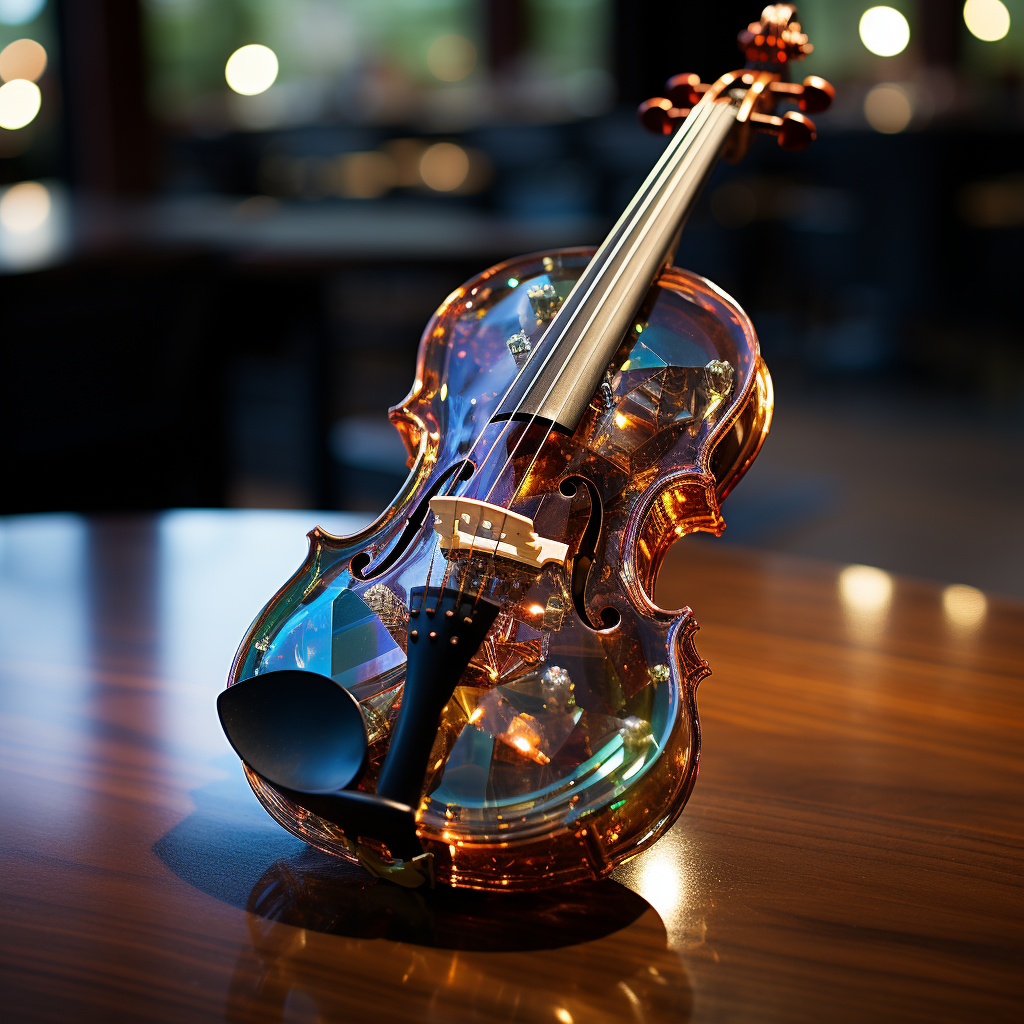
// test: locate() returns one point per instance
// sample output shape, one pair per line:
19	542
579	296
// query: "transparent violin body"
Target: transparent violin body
571	740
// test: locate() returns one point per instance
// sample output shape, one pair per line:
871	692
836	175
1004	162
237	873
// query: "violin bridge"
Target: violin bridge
465	524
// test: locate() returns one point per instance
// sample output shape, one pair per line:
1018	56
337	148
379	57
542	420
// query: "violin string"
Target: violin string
494	555
655	183
430	569
650	186
447	569
680	147
533	418
664	197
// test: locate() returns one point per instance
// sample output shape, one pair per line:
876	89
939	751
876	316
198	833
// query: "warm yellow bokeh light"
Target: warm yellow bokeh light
364	175
864	588
24	58
451	58
884	31
965	607
25	207
444	167
988	20
993	204
888	108
19	103
251	69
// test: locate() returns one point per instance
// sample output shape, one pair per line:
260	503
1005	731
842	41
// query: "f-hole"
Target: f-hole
358	565
583	561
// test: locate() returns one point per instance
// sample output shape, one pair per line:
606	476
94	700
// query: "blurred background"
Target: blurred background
224	223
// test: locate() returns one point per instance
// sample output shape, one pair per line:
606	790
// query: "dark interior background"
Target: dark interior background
225	293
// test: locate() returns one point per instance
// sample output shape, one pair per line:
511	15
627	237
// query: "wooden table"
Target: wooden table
852	851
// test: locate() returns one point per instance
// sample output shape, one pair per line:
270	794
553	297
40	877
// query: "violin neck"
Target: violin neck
566	366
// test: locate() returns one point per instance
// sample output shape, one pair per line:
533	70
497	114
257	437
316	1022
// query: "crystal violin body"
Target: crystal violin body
573	414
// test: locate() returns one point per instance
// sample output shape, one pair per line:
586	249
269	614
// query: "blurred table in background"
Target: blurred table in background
852	851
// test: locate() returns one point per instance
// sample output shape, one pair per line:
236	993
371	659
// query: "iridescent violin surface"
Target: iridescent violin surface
573	413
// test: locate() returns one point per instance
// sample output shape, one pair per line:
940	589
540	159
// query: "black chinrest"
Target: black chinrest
304	733
296	729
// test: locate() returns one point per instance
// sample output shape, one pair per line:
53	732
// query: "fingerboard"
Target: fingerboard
566	365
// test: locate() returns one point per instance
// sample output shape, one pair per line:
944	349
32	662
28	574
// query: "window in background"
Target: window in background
443	65
33	207
29	91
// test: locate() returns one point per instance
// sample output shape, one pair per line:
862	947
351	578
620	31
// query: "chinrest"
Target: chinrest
298	730
304	734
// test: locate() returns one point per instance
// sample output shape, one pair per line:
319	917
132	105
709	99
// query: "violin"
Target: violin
478	689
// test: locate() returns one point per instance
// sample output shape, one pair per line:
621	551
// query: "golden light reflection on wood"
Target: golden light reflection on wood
854	848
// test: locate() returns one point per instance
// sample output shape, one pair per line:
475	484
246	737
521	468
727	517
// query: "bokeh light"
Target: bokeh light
889	108
251	69
444	167
406	154
19	103
364	175
18	12
964	607
884	31
451	58
24	58
988	20
865	588
865	593
25	207
993	204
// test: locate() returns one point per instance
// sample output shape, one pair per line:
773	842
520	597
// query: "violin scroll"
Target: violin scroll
776	39
769	46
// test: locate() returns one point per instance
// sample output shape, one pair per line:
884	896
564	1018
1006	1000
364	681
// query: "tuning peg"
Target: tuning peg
794	131
685	90
817	96
813	95
660	116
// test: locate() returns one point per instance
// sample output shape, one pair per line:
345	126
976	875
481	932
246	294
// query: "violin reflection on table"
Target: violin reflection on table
478	690
328	944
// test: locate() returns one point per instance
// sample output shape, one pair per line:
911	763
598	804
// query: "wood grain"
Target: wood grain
853	849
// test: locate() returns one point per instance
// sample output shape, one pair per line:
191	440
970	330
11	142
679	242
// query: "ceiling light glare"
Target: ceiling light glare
889	108
20	101
25	207
444	167
18	12
987	20
451	58
24	58
251	69
864	588
965	607
884	31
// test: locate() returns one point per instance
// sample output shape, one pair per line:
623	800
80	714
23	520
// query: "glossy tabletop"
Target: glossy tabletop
853	849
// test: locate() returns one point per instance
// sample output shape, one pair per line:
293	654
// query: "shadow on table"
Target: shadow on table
330	942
